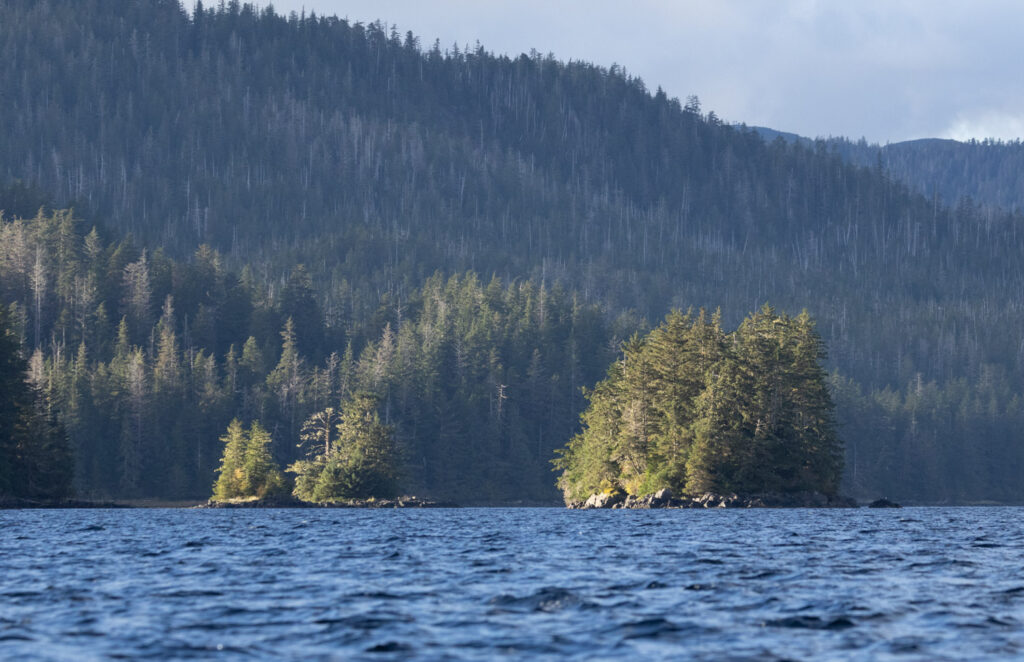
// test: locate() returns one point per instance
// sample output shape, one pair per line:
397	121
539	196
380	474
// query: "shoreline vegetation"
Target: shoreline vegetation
739	419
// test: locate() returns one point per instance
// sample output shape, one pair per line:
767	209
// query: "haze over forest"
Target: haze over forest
471	238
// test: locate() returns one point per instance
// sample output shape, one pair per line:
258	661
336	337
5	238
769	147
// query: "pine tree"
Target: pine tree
230	474
35	457
14	401
363	462
260	474
694	409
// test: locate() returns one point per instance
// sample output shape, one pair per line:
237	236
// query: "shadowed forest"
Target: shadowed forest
242	215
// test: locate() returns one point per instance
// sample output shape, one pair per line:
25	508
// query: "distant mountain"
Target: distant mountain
375	160
988	172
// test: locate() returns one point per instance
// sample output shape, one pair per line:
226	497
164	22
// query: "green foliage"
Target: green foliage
229	474
247	468
35	458
362	463
694	409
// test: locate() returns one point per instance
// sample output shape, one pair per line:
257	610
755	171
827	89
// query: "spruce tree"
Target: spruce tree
230	474
261	476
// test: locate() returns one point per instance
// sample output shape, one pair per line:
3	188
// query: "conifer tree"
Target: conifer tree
231	471
14	400
247	469
363	461
261	476
35	457
694	409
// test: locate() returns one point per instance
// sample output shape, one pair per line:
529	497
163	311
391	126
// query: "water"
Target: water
480	584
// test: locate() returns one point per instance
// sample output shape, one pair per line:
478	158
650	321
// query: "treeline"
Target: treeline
695	409
35	459
262	142
930	442
375	160
147	359
989	173
144	361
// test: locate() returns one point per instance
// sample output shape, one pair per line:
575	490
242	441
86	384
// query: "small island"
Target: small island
720	419
352	461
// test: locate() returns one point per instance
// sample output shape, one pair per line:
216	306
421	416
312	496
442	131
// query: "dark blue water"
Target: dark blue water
480	584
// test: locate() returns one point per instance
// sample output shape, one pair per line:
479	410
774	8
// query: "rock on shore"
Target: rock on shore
664	498
289	502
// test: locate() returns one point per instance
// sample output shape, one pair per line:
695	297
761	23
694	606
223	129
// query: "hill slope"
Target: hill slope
375	161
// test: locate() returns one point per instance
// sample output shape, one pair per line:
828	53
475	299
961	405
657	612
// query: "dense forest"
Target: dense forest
694	409
36	461
147	359
988	173
218	152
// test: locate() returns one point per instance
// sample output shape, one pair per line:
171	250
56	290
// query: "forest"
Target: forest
148	359
468	236
694	409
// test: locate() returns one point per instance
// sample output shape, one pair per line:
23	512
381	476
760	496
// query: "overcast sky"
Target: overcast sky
887	70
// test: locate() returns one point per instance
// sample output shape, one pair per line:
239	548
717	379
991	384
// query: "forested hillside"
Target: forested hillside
241	143
989	173
147	359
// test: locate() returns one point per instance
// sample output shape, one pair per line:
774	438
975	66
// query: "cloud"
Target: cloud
887	70
987	124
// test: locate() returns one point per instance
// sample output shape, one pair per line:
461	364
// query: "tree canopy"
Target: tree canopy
696	409
247	468
363	462
35	459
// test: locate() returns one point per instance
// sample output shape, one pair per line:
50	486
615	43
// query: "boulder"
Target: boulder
883	503
604	500
661	498
731	501
708	500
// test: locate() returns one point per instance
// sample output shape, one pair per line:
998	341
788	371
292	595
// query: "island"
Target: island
693	416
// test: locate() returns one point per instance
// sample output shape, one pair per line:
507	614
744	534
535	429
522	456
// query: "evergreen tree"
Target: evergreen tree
247	468
363	462
229	483
35	458
260	474
694	409
15	399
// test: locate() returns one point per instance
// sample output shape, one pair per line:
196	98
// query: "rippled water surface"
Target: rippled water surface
917	583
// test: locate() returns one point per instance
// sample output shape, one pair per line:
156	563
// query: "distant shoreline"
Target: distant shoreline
153	504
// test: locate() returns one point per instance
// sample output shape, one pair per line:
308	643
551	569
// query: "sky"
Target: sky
885	70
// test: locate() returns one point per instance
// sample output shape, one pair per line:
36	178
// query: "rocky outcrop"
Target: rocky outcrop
605	500
288	502
664	498
883	503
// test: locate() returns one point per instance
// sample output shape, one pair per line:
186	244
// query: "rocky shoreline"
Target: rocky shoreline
399	502
664	498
